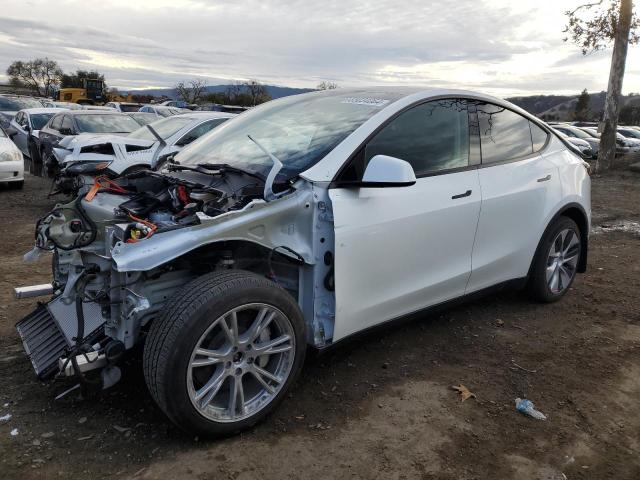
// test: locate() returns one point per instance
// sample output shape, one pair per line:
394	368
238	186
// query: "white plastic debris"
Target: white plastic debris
528	408
6	417
14	432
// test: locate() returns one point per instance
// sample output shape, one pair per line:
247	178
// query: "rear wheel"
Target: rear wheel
227	349
556	262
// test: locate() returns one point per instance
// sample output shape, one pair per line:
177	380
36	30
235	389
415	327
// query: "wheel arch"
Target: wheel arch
577	213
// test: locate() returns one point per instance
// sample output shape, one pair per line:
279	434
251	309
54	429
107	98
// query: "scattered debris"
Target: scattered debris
464	392
617	226
47	435
82	419
14	432
528	408
300	417
88	437
5	418
521	368
500	322
36	443
121	429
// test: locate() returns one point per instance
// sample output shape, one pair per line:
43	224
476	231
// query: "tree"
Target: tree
327	86
630	115
192	91
257	92
76	80
581	112
41	75
603	22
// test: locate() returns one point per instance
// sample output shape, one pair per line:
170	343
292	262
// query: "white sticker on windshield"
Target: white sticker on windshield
374	102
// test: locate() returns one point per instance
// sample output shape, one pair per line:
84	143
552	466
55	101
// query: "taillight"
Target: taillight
587	167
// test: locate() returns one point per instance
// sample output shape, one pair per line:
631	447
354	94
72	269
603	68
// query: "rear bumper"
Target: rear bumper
12	171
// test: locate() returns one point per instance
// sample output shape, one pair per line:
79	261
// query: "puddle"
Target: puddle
617	226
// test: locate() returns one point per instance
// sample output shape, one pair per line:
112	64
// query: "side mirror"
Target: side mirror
27	128
66	131
385	171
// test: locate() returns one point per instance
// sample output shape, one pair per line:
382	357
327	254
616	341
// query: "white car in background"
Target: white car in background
11	162
115	155
163	111
25	127
124	107
297	224
64	105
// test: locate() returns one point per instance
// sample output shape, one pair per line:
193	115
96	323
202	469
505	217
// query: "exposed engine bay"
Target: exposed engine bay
124	246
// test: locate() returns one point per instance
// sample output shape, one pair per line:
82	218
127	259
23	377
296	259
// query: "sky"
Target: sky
500	47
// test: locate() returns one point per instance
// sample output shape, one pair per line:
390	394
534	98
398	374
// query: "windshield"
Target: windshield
630	133
18	103
165	128
129	107
299	130
577	132
106	123
39	120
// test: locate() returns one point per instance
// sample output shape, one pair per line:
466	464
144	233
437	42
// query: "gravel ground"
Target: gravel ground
380	406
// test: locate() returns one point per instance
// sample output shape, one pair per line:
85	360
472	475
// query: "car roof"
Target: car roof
108	111
41	110
205	115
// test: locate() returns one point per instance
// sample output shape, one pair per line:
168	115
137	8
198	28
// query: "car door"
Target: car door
520	187
401	249
21	135
50	134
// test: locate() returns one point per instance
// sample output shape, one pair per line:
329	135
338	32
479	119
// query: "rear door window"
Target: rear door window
504	135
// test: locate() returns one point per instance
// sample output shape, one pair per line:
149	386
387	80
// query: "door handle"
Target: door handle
545	179
461	195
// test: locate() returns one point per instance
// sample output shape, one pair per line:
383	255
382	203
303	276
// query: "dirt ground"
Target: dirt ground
381	406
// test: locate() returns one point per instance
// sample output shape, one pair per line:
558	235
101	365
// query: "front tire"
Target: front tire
556	261
224	353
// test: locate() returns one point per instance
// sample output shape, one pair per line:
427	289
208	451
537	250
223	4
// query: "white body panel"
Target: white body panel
517	200
401	249
11	170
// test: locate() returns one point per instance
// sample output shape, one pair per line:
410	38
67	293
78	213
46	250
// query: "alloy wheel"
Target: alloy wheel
562	260
241	362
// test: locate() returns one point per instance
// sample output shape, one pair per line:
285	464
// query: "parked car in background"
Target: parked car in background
116	155
124	107
174	103
25	127
623	145
77	122
11	162
217	107
629	132
143	118
162	111
65	105
577	133
96	107
583	148
12	104
298	224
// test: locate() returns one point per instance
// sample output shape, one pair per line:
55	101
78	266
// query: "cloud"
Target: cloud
498	46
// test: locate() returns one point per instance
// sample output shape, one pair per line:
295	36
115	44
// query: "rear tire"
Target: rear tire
209	380
555	264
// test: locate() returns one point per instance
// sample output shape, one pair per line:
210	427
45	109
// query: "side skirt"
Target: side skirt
515	284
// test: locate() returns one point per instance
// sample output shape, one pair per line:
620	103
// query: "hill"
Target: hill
274	91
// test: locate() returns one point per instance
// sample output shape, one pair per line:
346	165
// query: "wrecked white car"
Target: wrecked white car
85	156
299	223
